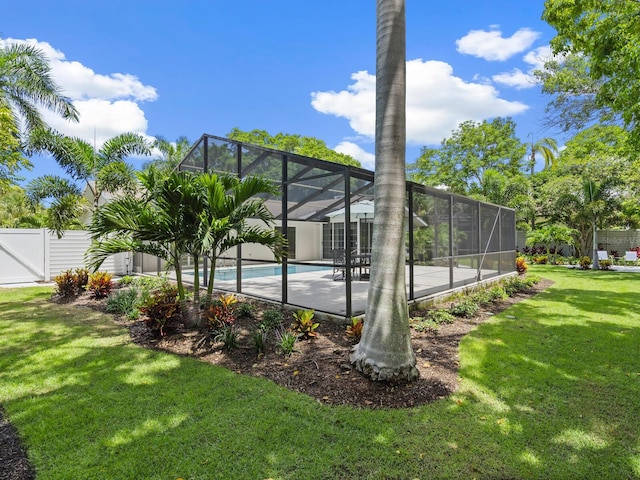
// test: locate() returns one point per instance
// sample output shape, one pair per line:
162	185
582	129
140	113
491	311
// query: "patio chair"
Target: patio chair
631	256
602	255
339	257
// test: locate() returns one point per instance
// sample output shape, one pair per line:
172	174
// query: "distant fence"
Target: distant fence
36	255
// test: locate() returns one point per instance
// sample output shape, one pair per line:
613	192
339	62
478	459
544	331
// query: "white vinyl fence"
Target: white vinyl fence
36	255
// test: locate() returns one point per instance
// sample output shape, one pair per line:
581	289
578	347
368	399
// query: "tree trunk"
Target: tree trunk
384	352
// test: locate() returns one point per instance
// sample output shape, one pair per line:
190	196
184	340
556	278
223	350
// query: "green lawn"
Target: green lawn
550	389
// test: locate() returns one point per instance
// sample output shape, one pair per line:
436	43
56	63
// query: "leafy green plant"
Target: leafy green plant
585	263
286	341
260	339
540	259
229	337
355	329
514	285
605	264
482	298
100	284
162	309
271	320
466	308
440	316
422	324
245	310
124	302
303	324
431	320
497	293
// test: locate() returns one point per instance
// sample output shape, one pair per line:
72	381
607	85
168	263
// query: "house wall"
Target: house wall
308	243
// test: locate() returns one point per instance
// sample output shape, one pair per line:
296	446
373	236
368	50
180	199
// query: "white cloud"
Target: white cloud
437	102
492	46
101	119
367	159
108	104
521	80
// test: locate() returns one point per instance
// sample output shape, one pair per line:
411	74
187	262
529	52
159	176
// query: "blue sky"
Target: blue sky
194	67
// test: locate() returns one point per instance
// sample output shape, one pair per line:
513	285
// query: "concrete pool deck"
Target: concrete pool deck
319	291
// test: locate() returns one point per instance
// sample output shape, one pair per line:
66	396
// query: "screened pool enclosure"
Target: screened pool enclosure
324	207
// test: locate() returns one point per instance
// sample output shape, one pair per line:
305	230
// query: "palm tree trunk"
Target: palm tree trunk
384	352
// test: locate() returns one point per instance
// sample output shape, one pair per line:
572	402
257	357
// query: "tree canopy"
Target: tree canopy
462	160
98	170
293	143
26	83
600	39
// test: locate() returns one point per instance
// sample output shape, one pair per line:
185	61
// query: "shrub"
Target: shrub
303	324
515	285
81	279
605	264
540	259
229	337
286	341
221	313
531	280
66	285
100	284
440	316
521	265
422	324
271	320
497	293
124	302
162	309
585	263
466	308
245	310
482	298
260	340
355	329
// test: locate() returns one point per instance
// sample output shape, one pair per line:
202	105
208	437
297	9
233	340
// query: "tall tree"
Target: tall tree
16	211
98	170
11	157
384	351
293	143
547	148
171	153
26	84
573	105
606	33
473	149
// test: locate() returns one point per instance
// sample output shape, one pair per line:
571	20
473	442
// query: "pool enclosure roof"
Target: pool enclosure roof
465	240
316	188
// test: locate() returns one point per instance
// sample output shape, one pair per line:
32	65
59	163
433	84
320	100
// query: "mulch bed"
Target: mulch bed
319	367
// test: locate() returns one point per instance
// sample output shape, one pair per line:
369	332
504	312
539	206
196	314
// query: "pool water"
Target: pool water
266	271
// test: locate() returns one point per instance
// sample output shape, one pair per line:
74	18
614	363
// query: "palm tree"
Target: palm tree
594	205
548	148
102	170
26	83
384	351
171	153
184	214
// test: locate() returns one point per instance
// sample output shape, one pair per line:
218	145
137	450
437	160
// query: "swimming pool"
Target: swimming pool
266	271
